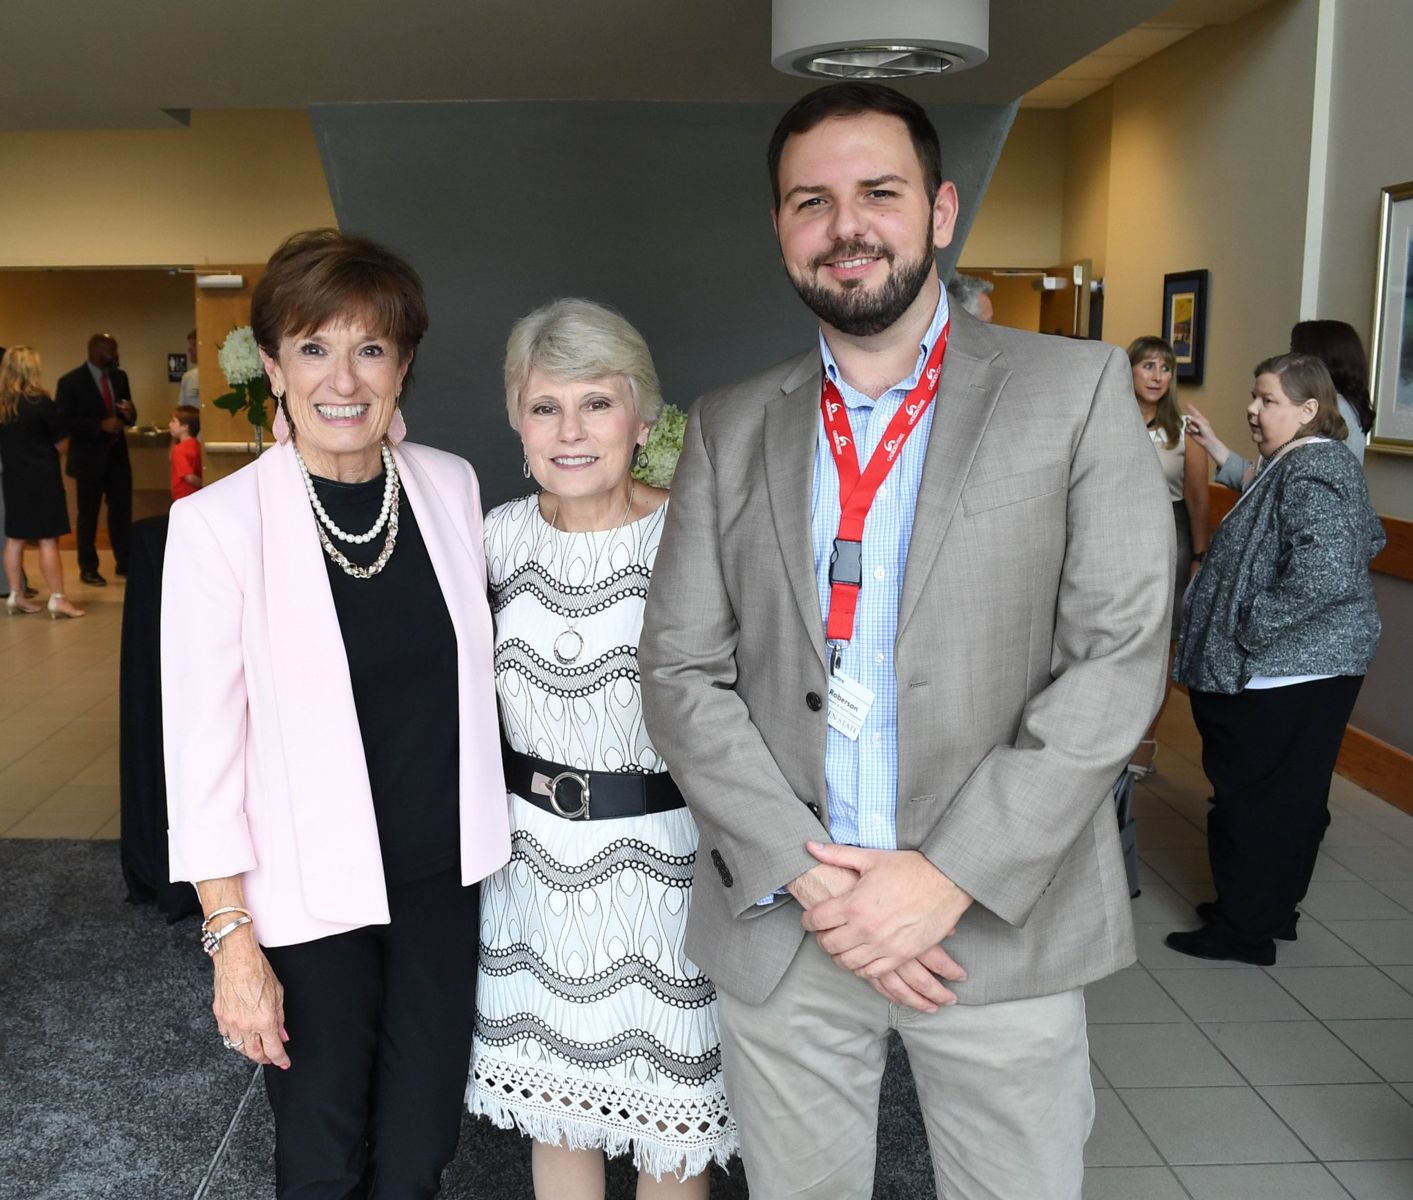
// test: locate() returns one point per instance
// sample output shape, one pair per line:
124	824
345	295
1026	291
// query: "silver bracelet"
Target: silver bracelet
211	938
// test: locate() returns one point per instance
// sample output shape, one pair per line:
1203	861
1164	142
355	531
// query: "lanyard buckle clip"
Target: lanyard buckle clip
846	563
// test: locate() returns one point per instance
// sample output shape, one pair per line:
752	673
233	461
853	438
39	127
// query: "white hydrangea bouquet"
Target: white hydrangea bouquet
239	358
663	448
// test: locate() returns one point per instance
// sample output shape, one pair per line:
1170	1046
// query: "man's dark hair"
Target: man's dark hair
852	100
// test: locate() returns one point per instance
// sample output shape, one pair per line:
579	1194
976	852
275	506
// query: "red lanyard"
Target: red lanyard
857	490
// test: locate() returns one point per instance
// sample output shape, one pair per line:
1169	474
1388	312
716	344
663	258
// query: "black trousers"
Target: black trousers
115	486
1269	755
379	1023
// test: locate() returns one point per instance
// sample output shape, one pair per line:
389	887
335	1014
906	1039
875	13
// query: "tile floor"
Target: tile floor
1213	1081
59	714
1217	1081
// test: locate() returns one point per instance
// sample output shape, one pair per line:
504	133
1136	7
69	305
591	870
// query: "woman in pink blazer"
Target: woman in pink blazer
333	759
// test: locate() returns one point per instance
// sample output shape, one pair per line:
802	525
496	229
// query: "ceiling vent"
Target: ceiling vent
878	39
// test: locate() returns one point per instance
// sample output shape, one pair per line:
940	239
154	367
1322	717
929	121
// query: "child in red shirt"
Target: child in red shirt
184	427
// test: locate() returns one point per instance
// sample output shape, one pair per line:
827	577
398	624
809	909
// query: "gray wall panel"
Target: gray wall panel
660	209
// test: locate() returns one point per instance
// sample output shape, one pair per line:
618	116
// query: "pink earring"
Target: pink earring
281	427
397	427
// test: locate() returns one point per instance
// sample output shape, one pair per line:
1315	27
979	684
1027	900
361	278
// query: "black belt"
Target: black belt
589	795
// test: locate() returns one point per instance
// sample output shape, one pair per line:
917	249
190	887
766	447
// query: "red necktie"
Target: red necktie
107	392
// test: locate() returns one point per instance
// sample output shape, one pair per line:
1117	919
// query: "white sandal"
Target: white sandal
55	612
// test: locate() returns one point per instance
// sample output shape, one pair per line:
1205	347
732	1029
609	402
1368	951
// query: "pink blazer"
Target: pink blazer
265	771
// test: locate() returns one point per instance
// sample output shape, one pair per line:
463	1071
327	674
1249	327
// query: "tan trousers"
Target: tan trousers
1005	1088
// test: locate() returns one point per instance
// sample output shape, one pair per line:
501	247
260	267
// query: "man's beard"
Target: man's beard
856	310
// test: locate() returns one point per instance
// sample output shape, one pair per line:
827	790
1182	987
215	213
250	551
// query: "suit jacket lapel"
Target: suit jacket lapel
791	421
309	668
973	375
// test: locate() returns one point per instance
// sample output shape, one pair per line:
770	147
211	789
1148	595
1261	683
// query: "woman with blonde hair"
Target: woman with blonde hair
594	1032
1184	464
36	508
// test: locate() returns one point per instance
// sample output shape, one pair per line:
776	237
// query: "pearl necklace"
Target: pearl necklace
353	569
390	482
388	517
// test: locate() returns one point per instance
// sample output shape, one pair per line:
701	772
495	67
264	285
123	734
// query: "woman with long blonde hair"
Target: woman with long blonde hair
36	508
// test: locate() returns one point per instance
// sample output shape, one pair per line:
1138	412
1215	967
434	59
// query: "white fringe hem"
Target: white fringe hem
651	1155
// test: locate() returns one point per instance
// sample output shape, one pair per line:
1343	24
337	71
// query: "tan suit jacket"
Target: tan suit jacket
1031	648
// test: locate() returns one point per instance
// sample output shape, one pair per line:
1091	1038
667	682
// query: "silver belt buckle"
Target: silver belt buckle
570	814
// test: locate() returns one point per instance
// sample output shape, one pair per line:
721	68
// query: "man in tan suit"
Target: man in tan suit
896	688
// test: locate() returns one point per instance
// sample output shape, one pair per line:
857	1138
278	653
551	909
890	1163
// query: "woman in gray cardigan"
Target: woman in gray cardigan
1279	628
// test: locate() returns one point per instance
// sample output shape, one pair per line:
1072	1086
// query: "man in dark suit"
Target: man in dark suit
97	404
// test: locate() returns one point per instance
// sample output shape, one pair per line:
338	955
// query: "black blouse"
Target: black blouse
401	648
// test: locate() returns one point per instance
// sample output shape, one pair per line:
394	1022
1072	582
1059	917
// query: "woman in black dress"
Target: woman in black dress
35	506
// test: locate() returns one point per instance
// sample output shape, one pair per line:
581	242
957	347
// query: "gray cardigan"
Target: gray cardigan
1285	588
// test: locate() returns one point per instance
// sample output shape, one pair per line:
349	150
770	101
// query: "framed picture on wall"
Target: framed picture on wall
1391	350
1185	321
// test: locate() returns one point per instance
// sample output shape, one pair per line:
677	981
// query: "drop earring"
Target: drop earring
397	427
281	426
525	466
640	460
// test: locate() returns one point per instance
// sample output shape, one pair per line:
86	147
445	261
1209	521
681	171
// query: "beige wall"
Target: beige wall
1018	224
1200	157
228	189
1084	230
1208	163
149	312
1370	147
1152	184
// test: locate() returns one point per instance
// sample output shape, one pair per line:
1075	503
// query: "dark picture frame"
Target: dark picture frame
1185	321
1391	348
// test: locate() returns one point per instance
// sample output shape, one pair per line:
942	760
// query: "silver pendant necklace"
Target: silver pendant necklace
569	645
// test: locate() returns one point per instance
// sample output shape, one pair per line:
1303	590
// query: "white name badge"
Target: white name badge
849	702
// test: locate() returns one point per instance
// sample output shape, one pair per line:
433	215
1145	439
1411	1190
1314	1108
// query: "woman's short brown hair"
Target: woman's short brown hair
322	277
1304	377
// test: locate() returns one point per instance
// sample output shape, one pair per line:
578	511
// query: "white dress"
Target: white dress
592	1027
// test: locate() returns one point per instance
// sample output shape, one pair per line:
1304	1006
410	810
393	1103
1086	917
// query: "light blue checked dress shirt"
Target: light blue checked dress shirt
861	776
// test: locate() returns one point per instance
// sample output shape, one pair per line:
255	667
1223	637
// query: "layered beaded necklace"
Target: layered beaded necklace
387	516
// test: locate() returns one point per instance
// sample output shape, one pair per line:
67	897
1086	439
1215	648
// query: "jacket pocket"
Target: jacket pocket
1014	489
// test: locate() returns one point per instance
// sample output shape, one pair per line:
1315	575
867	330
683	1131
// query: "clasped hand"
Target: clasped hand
249	1006
882	914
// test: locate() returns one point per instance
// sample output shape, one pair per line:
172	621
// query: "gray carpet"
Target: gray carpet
113	1083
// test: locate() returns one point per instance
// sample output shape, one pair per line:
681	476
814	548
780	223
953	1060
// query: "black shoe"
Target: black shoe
1209	942
92	578
1207	910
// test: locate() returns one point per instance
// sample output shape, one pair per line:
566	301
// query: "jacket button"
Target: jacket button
813	807
813	701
